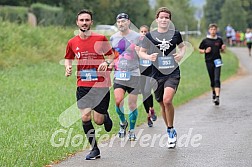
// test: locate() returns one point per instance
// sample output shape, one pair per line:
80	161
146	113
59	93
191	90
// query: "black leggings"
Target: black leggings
148	103
214	74
146	92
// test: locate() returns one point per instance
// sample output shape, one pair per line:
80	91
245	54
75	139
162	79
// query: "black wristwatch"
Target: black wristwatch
108	62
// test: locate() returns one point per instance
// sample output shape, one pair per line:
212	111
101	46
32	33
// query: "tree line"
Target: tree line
105	11
238	13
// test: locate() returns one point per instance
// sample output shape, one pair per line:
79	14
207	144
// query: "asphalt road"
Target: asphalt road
208	135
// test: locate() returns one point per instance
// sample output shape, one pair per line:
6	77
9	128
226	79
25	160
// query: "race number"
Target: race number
218	62
145	63
166	62
122	75
89	75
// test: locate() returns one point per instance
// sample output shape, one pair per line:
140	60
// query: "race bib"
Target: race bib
166	62
218	62
145	63
122	75
89	75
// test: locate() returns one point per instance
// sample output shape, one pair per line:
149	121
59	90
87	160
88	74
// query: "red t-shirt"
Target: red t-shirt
89	54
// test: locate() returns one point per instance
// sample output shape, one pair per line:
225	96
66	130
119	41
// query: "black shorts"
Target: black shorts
95	98
249	45
171	81
132	86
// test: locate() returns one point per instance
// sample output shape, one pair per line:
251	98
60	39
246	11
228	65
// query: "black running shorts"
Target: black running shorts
95	98
171	81
132	86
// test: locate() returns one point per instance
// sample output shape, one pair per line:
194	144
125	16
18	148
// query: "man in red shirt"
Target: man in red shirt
93	77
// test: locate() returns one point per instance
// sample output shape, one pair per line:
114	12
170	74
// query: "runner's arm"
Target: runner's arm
181	52
68	67
143	54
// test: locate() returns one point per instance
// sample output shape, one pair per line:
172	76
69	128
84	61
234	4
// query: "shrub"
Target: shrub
48	15
16	14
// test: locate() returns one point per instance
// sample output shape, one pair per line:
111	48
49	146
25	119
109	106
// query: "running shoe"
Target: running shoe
108	124
150	123
132	136
153	115
172	138
94	154
122	131
217	101
213	96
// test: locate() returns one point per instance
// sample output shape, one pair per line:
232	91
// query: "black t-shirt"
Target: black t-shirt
215	45
165	45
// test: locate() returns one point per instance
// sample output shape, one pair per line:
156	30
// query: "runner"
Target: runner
229	30
127	73
161	45
92	79
248	37
211	47
145	82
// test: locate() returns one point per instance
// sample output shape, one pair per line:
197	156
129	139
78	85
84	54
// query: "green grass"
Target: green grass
22	44
34	92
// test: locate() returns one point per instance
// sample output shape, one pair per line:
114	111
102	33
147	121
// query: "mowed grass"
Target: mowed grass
34	96
32	99
35	93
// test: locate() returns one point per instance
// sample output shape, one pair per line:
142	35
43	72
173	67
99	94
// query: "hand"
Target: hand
223	47
102	67
137	48
208	50
177	57
110	67
68	71
153	56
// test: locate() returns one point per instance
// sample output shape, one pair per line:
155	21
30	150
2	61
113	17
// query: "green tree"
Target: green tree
72	7
9	2
138	10
237	18
247	5
105	11
30	2
212	11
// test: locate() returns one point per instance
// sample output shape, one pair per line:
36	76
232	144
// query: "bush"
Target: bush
16	14
48	15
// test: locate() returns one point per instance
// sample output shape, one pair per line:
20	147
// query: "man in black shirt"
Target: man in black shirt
161	45
211	47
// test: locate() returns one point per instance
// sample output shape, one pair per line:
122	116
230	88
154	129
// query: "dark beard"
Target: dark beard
85	30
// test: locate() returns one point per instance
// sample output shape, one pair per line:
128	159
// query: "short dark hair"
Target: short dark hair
163	9
145	26
84	11
212	25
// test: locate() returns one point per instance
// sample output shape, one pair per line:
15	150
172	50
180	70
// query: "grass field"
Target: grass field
35	93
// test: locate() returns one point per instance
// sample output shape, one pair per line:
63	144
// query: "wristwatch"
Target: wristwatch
108	62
